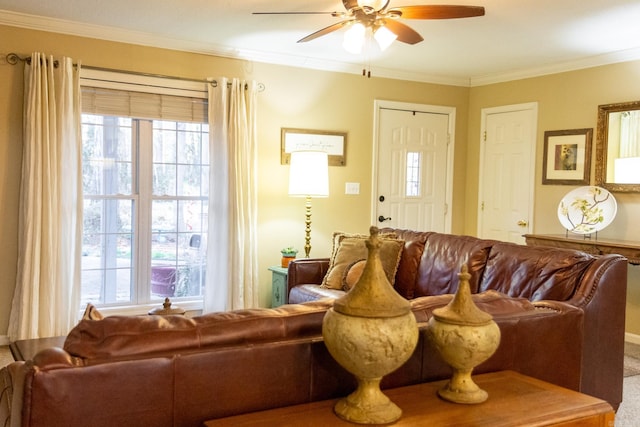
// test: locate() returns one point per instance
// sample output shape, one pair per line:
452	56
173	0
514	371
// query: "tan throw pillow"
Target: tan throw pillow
352	274
339	235
335	245
352	248
92	313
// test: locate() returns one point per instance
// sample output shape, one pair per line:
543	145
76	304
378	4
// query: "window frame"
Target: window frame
143	179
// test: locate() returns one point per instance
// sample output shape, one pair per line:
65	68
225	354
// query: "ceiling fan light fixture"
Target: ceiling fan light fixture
371	15
354	38
384	37
372	5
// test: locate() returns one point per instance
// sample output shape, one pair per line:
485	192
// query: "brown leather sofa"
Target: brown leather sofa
587	357
561	316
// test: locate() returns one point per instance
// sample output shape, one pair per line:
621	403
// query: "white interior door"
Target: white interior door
507	172
412	172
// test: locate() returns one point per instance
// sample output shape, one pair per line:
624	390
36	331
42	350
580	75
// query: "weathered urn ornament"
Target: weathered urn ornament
465	336
167	309
370	331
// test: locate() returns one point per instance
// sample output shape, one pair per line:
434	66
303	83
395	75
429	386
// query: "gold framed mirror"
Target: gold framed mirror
618	147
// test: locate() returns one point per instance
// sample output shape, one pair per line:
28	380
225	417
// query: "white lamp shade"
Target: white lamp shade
309	174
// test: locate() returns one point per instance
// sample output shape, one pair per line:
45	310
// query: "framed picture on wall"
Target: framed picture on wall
567	157
333	143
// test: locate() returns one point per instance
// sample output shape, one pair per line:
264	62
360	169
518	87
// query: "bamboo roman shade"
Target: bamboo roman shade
111	102
122	94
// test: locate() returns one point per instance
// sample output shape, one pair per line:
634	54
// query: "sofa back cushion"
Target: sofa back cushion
116	336
442	259
262	324
535	273
127	336
407	272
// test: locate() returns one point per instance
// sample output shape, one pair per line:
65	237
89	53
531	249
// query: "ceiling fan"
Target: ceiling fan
383	21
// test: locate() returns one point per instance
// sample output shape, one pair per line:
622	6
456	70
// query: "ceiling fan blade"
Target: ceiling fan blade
350	4
298	13
405	33
325	31
367	7
437	11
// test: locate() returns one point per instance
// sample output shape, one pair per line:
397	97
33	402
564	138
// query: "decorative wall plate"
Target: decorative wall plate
587	210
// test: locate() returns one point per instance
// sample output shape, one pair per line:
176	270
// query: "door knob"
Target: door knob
382	218
522	223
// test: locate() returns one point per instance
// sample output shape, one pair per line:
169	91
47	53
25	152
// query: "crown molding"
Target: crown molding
560	67
61	26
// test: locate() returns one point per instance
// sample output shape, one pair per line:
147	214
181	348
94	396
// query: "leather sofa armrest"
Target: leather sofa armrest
6	394
607	275
53	358
306	271
602	295
12	379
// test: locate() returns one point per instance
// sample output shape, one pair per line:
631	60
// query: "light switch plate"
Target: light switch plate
352	188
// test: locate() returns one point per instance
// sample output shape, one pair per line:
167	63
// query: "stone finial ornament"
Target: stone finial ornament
465	336
371	331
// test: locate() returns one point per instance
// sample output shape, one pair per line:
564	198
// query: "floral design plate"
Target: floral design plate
587	210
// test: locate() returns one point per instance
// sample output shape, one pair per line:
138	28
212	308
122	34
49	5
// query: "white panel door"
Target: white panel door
412	171
507	173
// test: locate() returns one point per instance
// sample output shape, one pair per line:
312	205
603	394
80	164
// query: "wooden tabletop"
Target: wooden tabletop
514	400
26	349
590	244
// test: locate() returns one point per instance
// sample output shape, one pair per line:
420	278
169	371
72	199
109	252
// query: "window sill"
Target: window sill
192	307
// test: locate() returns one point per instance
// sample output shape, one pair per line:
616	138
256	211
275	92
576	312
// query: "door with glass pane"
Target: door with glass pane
412	169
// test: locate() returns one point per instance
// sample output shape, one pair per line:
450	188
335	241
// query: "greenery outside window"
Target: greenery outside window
145	185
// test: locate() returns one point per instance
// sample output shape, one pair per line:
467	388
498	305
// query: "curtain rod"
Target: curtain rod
13	59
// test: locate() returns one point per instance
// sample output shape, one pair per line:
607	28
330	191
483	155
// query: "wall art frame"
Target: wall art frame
334	143
567	157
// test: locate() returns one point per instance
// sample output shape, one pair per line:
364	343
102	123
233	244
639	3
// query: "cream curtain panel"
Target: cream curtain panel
231	280
630	134
47	295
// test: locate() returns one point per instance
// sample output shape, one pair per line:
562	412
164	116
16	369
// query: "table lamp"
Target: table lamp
309	177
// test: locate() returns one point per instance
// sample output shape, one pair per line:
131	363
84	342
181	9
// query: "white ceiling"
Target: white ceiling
515	39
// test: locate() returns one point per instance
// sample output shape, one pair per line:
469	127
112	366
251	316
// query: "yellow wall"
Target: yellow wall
293	98
565	101
330	101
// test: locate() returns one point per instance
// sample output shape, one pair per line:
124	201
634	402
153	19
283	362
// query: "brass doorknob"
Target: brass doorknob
522	223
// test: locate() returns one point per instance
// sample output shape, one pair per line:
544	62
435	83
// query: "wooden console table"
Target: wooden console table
514	400
26	349
628	249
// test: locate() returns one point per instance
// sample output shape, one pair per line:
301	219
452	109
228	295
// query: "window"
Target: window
412	188
145	184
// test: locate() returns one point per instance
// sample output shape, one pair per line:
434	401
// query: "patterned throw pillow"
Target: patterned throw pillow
352	274
349	248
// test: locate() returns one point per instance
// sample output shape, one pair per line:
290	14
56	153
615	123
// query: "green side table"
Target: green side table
279	294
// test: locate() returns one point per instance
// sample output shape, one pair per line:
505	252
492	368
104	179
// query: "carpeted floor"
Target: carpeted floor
628	414
631	360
